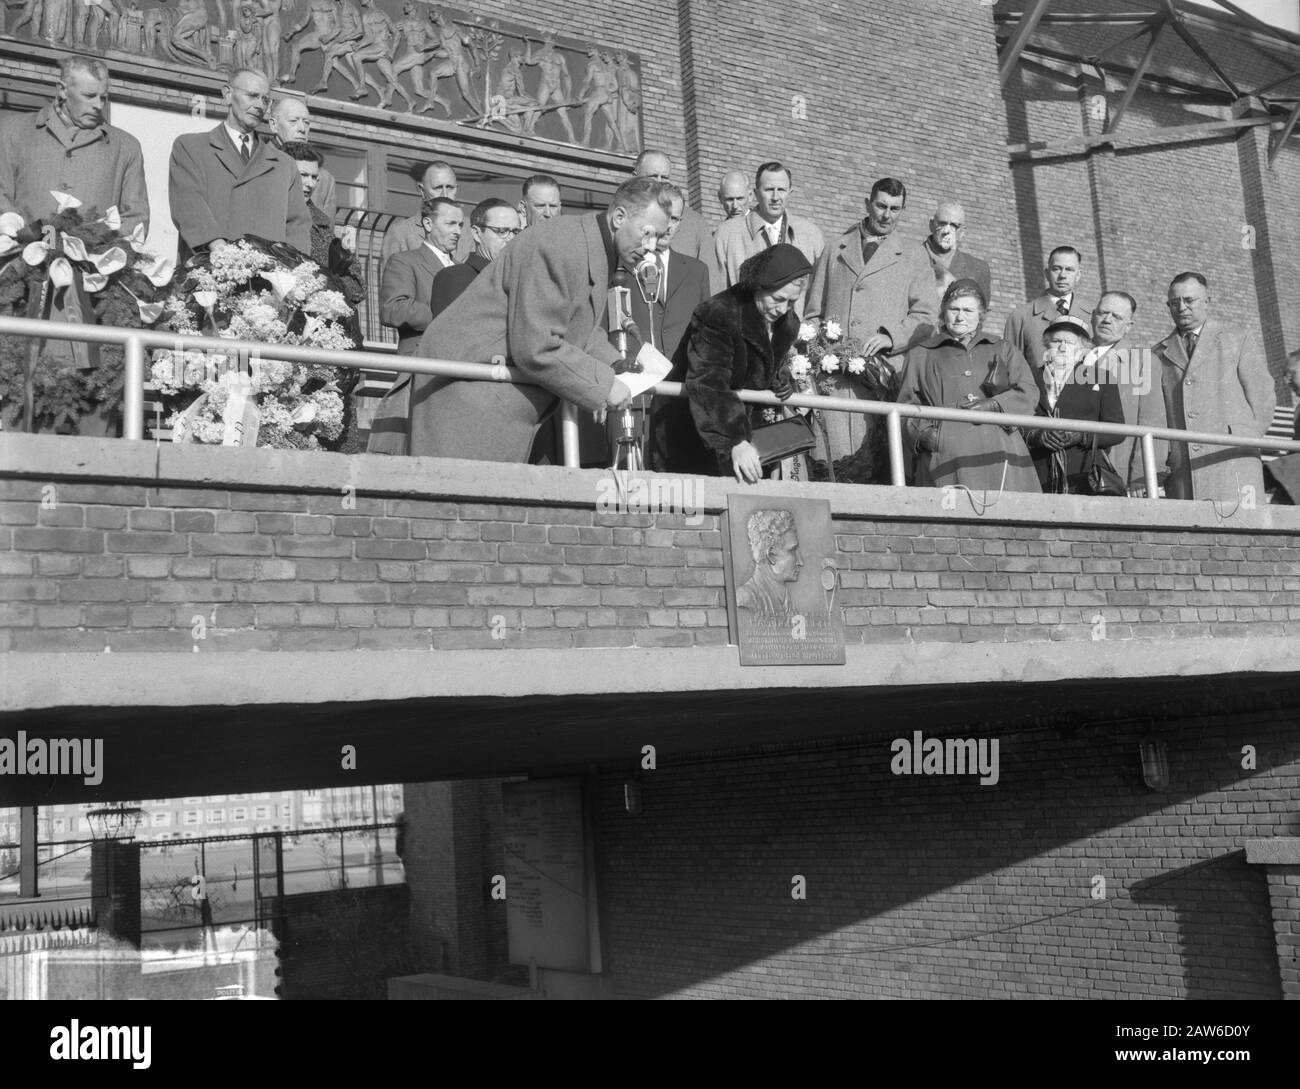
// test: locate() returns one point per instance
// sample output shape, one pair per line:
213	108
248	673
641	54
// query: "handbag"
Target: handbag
783	439
1099	475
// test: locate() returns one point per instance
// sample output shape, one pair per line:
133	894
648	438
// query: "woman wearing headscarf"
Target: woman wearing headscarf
738	339
1072	387
961	366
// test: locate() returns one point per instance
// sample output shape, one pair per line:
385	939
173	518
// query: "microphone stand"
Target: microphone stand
627	451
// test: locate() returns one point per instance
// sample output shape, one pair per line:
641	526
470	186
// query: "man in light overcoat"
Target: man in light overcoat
1216	380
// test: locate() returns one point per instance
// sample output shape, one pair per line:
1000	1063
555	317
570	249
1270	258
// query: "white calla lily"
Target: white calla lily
112	219
110	261
305	413
137	237
94	282
149	312
281	282
159	270
35	252
11	223
73	246
7	244
64	201
206	299
61	272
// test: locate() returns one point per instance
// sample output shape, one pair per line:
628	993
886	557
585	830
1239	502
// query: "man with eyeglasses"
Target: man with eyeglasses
950	264
492	224
1114	360
1215	379
229	182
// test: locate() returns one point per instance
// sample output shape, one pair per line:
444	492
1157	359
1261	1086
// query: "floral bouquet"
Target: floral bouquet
267	292
824	361
77	266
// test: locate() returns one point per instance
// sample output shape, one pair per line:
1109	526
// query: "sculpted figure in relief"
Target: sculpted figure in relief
319	27
342	46
378	44
555	90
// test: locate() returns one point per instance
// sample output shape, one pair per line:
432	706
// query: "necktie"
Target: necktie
869	248
1189	342
1062	306
245	147
662	290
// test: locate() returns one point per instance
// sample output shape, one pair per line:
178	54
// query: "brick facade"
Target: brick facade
938	887
242	565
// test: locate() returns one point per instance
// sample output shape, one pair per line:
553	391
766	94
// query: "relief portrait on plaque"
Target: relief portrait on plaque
783	581
406	56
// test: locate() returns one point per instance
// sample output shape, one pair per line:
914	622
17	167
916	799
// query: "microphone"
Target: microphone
620	311
649	275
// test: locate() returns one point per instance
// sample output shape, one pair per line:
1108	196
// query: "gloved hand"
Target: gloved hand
1061	440
988	404
928	439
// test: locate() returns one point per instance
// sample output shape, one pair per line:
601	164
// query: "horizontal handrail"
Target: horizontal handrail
135	341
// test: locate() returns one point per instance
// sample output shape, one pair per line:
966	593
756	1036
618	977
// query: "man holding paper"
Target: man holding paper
541	307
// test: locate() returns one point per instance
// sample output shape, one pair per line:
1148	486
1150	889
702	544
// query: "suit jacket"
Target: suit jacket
694	238
1226	389
390	425
541	307
725	348
402	235
451	282
1028	322
1086	396
963	266
324	196
736	240
215	194
666	320
1135	373
102	167
405	295
893	294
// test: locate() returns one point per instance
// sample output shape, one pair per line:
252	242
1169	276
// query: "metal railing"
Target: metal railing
135	342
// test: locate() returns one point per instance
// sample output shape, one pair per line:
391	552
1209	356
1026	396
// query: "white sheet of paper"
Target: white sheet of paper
655	367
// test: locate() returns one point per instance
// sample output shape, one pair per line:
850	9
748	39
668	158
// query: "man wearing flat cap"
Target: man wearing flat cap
736	340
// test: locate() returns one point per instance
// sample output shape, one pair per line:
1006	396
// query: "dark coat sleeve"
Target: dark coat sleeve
711	349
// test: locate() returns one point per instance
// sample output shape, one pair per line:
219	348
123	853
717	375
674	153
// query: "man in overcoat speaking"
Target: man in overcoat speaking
540	306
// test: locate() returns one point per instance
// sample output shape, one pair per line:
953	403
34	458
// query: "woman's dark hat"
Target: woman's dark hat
771	269
964	286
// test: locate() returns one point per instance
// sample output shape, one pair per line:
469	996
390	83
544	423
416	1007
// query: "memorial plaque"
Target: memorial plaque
447	64
546	875
783	581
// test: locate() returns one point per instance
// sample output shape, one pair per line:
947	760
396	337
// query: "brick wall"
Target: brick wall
906	88
88	566
938	887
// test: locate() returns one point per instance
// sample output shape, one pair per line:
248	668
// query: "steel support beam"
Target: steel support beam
1172	134
1019	39
1199	50
1138	73
1282	137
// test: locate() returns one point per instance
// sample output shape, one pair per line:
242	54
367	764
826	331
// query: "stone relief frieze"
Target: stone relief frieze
405	55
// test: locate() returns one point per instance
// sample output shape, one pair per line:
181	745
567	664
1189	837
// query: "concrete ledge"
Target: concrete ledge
1278	851
42	680
54	458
